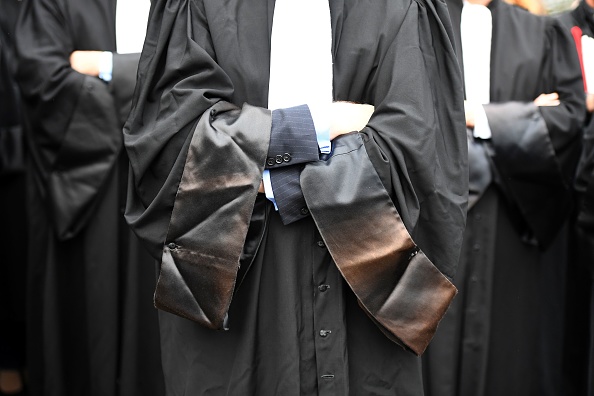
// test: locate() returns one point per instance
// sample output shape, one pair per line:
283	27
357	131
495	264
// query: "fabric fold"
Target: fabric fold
199	267
393	280
85	159
526	159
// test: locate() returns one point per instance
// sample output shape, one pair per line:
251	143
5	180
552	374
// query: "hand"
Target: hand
86	62
551	99
346	117
469	112
590	102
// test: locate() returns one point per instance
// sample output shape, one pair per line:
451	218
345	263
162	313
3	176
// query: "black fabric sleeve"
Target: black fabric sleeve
534	149
125	67
49	85
416	136
73	121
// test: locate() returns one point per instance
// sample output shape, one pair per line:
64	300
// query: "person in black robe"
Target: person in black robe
91	330
13	214
579	364
334	302
489	343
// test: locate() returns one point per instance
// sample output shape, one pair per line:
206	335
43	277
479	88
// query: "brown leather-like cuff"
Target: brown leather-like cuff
195	289
396	284
212	212
418	302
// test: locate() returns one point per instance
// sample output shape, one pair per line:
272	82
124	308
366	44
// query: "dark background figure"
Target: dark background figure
13	214
579	363
92	329
490	341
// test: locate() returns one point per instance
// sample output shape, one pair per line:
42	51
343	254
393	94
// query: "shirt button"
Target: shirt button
278	159
287	157
270	161
321	244
172	246
323	288
324	333
304	211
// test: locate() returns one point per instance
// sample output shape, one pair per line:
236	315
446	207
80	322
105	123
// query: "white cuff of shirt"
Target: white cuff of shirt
321	120
106	66
482	130
268	187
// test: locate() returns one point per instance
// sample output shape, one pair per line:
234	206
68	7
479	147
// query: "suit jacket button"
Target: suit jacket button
304	211
270	161
287	157
279	159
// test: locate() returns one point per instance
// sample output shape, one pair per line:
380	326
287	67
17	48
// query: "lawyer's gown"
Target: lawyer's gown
197	140
92	329
579	364
13	211
520	185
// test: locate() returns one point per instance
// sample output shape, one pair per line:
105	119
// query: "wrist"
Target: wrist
469	114
86	62
348	117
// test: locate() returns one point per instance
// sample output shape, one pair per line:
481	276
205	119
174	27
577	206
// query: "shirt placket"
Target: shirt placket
329	323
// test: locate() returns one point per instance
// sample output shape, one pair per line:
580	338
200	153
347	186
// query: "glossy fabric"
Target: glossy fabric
273	345
196	258
394	281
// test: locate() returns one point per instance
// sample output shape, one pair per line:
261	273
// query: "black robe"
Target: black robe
489	342
13	212
197	139
91	330
579	364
